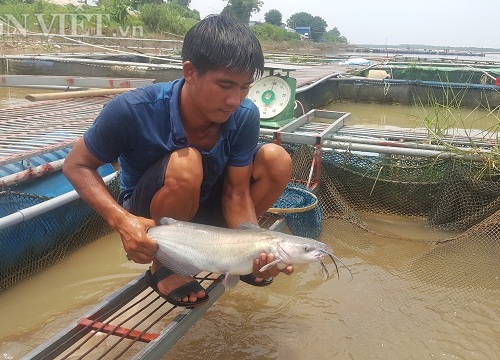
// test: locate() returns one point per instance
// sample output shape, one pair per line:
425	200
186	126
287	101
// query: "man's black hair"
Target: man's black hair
223	42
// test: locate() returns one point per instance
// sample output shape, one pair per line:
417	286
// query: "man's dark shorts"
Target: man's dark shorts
138	203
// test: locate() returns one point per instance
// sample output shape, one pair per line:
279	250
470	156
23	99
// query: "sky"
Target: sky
464	23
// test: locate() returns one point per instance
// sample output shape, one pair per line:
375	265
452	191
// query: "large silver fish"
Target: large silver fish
188	248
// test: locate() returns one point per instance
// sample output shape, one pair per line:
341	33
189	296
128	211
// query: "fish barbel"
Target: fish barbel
189	248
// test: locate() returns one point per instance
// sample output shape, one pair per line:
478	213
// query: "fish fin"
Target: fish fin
178	265
181	268
271	264
230	281
167	221
247	225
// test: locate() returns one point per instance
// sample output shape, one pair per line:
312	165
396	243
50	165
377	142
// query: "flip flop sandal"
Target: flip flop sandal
250	279
176	294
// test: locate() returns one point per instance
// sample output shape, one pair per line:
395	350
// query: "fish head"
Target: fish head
301	250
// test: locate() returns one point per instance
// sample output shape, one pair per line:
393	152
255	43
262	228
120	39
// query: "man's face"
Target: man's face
217	94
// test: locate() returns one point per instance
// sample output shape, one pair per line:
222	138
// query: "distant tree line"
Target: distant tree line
243	9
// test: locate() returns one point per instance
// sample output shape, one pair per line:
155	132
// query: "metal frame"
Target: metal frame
304	131
72	81
46	126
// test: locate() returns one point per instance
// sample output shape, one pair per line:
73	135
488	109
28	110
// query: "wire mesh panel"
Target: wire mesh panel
32	245
459	205
355	189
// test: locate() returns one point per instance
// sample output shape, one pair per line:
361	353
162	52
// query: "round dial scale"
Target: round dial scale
271	94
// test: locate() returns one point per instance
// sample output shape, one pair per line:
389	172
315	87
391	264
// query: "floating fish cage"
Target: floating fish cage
38	230
41	217
352	172
437	72
92	65
396	171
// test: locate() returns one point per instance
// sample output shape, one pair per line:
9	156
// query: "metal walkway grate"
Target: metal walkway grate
38	128
134	322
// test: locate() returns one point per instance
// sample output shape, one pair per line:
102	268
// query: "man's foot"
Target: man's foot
176	289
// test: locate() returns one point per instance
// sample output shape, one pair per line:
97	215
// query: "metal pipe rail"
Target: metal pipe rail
94	62
425	153
452	136
38	209
394	148
330	130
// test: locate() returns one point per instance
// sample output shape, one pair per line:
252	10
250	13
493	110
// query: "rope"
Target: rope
386	88
297	102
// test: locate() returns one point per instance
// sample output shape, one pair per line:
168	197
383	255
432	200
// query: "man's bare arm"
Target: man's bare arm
80	167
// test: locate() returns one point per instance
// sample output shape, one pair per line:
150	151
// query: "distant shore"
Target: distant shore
52	46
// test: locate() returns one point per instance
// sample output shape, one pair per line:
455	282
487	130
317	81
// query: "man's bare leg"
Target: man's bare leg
272	169
179	199
180	195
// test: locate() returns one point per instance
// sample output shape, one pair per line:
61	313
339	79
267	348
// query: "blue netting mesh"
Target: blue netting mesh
32	245
304	223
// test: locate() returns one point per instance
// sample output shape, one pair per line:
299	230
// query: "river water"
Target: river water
399	304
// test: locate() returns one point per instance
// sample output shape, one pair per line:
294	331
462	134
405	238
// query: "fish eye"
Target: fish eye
305	247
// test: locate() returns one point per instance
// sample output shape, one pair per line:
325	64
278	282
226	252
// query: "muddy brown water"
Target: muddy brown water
385	312
400	303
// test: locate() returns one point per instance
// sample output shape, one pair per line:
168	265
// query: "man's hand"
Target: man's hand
137	244
273	271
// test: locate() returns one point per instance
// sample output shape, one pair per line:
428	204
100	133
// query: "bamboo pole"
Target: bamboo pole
75	94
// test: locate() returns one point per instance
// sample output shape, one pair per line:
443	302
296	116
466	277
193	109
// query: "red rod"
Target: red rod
117	330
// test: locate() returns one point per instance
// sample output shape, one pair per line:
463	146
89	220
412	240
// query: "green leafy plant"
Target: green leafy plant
271	32
447	126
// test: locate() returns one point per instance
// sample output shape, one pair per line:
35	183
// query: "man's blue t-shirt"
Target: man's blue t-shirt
141	126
